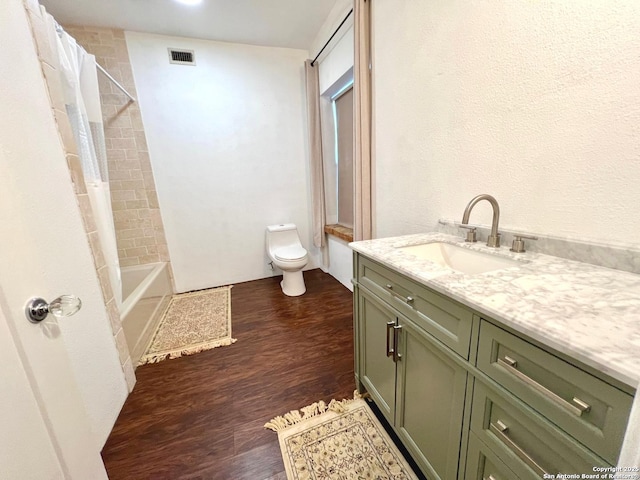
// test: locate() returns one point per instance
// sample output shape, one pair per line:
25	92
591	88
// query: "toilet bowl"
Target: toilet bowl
287	253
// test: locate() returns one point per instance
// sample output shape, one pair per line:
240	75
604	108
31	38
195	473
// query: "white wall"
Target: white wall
335	64
537	103
58	244
335	17
228	145
337	59
340	261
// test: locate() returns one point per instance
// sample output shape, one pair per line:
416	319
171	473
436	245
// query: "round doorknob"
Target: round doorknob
37	309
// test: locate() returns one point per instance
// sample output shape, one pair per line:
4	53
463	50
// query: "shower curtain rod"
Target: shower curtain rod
331	37
60	31
106	74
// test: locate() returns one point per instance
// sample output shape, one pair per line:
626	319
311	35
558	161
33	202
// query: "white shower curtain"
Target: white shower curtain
82	98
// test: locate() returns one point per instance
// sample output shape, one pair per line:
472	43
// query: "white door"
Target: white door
44	429
26	449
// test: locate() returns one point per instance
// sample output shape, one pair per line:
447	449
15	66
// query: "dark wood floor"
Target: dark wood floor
202	417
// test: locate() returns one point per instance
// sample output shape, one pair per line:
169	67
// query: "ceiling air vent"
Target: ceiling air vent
181	57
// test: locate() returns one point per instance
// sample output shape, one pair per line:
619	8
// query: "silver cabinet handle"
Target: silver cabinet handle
390	325
490	477
578	409
408	300
500	430
396	334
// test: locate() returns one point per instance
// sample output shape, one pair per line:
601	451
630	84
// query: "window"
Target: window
342	104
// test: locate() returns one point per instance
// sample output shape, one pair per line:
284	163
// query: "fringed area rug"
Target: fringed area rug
343	440
192	323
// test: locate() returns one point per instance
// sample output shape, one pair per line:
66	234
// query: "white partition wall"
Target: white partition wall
227	140
536	103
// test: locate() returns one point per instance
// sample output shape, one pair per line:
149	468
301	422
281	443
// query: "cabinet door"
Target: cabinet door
377	370
431	391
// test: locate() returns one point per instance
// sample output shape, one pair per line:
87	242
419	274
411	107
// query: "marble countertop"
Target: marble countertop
587	312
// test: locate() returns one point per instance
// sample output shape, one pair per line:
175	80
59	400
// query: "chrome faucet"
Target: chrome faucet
494	238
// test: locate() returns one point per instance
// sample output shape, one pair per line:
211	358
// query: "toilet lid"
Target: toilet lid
293	252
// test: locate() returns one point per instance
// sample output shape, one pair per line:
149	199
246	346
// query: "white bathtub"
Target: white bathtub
146	291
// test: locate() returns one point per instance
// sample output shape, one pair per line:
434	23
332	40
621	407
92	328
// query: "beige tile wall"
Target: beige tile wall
49	62
139	229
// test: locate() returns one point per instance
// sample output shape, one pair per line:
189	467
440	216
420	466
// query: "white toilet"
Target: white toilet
288	254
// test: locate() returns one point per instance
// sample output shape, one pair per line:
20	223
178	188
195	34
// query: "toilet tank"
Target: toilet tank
282	235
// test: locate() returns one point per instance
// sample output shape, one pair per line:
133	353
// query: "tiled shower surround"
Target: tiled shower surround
49	64
139	230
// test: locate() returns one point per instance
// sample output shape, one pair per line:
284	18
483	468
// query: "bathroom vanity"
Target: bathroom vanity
525	367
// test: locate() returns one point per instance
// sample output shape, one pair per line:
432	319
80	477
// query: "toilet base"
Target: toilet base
293	283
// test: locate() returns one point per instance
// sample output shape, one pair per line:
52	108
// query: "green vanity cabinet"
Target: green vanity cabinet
445	320
526	442
483	464
414	383
471	399
429	402
377	370
579	403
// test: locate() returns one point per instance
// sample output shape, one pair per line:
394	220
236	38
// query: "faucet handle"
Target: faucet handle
517	245
471	234
493	241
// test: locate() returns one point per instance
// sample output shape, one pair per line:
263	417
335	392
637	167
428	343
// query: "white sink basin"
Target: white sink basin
457	258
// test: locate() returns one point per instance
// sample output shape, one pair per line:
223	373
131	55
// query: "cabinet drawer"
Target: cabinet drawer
483	464
526	442
446	320
589	409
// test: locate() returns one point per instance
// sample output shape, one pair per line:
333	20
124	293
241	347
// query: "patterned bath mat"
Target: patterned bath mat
192	323
342	440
